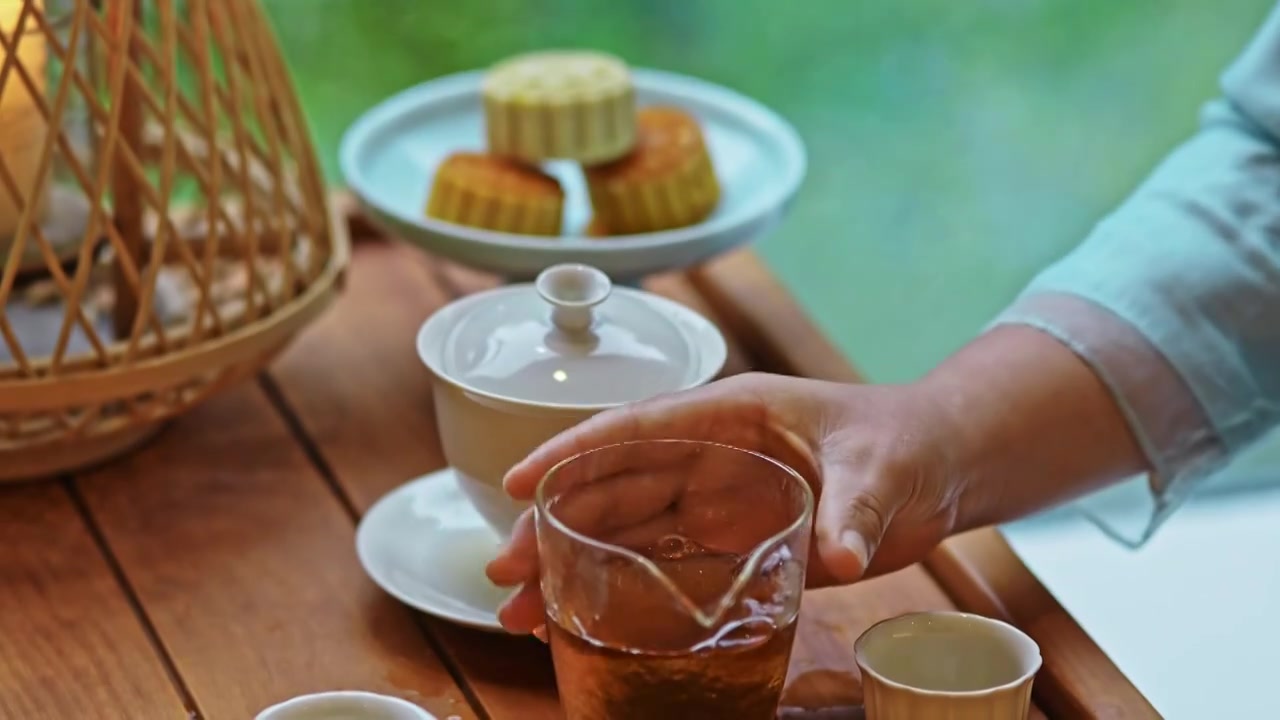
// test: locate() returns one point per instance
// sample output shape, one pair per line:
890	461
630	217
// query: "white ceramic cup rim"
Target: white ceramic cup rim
863	665
318	700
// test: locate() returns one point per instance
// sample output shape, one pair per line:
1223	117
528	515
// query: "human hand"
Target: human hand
875	456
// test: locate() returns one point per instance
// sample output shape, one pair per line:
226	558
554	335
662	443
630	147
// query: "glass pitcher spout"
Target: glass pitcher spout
670	564
673	557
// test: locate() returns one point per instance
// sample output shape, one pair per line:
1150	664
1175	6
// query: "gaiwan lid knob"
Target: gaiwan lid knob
573	291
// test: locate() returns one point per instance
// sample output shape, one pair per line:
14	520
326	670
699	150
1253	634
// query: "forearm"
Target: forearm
1034	426
1150	352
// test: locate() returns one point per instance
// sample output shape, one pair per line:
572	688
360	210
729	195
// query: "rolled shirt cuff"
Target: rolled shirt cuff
1170	425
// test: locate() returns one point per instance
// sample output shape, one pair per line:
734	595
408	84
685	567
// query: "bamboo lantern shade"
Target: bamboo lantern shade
164	229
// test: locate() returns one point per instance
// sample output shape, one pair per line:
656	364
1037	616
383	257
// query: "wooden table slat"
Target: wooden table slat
366	404
244	561
72	646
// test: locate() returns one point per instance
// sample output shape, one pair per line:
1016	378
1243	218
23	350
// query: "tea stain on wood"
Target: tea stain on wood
246	566
72	645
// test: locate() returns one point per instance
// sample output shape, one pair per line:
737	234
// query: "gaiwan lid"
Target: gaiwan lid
570	339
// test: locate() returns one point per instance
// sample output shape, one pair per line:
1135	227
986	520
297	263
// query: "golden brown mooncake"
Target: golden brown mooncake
494	193
666	182
569	104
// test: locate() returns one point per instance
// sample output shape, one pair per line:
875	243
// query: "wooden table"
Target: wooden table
213	572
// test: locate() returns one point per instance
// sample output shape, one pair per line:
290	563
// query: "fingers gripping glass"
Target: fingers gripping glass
672	573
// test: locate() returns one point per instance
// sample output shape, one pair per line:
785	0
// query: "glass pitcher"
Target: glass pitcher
672	572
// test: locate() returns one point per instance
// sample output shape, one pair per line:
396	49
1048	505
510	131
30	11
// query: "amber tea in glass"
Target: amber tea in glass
672	573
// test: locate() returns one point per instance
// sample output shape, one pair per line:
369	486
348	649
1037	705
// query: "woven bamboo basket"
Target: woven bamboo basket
163	221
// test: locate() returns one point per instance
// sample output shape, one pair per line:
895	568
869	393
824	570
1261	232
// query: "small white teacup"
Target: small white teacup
345	705
946	665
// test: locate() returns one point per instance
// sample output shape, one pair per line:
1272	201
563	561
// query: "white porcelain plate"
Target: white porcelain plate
425	544
390	154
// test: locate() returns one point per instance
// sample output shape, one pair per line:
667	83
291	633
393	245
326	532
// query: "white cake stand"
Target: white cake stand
390	154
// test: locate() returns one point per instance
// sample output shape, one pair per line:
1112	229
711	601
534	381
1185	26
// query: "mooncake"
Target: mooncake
495	193
570	105
666	182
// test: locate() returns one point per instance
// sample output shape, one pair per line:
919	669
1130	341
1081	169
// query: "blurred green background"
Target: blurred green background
955	146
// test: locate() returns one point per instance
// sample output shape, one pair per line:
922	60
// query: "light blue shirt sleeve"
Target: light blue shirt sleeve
1174	298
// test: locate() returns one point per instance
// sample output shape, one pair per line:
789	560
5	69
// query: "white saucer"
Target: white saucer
426	545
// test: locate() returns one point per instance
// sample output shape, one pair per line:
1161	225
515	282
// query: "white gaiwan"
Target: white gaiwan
516	365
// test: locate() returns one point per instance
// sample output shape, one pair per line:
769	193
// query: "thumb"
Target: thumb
853	516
